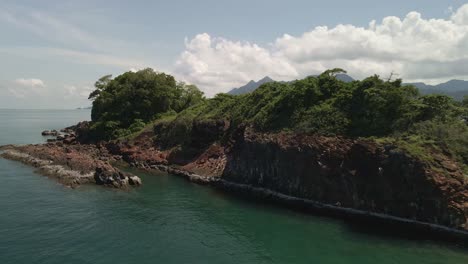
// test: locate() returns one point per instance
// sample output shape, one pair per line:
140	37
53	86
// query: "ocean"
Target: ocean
170	220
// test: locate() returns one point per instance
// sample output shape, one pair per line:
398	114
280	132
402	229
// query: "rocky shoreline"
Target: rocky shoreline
65	176
408	226
349	179
71	165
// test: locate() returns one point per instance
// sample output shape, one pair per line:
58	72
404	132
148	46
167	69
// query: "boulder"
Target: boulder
69	140
109	176
134	180
50	133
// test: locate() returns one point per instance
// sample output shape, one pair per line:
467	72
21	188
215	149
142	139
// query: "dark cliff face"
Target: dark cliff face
204	133
349	173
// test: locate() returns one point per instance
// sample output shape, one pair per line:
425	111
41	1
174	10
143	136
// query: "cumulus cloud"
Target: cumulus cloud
78	92
32	83
33	89
461	15
415	47
20	88
217	63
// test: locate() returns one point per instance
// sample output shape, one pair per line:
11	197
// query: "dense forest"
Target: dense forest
124	105
382	110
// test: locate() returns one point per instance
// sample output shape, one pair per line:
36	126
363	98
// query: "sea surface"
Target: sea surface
170	220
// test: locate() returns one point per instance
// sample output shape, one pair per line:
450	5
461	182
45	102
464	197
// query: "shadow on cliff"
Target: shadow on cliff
345	173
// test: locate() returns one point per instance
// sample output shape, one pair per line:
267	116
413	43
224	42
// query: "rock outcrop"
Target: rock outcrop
338	172
53	133
350	174
72	165
355	176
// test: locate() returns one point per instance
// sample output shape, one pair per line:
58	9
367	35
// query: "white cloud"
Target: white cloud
32	83
217	63
35	93
78	92
22	87
25	89
461	15
415	47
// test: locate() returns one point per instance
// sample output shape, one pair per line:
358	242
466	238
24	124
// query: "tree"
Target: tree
376	106
189	94
100	85
333	72
328	83
435	105
465	101
137	97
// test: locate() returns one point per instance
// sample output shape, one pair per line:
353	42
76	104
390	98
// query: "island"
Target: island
372	150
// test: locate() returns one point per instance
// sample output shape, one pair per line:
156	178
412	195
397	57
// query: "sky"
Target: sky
52	52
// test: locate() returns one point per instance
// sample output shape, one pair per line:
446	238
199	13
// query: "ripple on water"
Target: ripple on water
169	220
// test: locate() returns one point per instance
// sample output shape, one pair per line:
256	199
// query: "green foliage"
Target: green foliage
173	131
451	136
322	119
375	107
435	105
423	139
465	101
188	95
325	105
100	85
124	105
385	110
137	126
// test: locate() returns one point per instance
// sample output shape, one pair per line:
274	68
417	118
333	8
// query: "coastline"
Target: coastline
401	225
74	178
61	159
69	167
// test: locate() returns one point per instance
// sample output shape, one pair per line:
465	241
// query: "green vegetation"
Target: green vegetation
124	105
371	108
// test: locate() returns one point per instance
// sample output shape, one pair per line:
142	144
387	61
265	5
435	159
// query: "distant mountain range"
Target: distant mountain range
453	88
253	85
250	86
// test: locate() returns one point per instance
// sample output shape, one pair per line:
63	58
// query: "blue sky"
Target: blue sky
52	51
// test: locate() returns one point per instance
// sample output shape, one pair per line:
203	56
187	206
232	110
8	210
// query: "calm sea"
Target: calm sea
170	220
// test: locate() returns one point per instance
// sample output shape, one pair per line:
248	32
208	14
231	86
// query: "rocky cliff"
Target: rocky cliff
335	172
349	173
342	172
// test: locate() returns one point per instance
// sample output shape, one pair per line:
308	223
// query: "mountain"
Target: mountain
344	77
453	88
250	86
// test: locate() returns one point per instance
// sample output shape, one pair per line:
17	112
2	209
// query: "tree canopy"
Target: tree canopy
325	105
132	99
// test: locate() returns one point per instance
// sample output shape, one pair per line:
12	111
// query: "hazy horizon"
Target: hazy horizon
53	51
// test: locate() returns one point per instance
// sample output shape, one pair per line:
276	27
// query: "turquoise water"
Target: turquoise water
170	220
